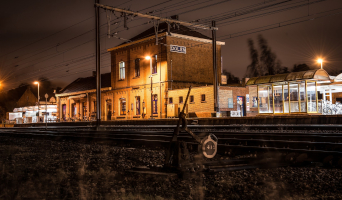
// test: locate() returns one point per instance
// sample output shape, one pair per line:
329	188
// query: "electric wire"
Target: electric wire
55	33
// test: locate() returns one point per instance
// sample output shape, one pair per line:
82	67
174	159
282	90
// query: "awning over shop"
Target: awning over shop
316	74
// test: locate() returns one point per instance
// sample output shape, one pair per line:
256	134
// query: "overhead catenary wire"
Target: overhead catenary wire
130	27
280	24
60	43
268	13
55	33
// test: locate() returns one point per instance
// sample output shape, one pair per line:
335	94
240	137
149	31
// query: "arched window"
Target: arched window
121	70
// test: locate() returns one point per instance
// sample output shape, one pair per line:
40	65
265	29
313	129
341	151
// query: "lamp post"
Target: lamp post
37	83
149	58
320	61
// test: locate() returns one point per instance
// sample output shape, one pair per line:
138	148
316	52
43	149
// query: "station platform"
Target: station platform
258	120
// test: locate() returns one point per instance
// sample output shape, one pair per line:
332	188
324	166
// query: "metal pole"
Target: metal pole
216	107
151	89
98	74
38	102
45	112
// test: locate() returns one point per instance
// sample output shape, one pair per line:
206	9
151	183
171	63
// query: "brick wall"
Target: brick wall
195	66
197	105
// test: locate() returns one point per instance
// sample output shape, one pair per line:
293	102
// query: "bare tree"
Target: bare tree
253	69
265	62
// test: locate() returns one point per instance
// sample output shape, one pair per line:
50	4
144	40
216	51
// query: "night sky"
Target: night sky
56	39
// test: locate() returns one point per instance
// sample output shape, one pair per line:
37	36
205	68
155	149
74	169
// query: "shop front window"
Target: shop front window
286	98
312	97
265	99
302	97
294	97
278	98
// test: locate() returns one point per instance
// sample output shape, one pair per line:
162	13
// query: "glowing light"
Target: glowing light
320	60
147	57
36	82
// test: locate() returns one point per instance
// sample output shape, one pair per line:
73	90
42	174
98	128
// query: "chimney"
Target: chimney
175	17
94	73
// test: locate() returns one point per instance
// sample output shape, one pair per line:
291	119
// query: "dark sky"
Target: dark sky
55	39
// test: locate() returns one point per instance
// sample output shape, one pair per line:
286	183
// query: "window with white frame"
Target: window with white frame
122	70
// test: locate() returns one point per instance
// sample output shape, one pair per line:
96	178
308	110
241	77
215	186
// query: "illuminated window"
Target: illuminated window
154	64
74	110
122	70
123	106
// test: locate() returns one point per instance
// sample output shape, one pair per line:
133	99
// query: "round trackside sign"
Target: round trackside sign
209	146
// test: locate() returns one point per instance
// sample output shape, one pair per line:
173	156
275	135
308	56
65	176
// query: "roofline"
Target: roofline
176	35
80	92
195	38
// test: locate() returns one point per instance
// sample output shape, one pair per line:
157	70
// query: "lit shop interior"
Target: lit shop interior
29	114
309	92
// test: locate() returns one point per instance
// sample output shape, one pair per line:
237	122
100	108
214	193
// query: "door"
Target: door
240	105
109	110
64	111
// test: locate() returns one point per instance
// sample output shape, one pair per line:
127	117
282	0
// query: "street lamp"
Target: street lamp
149	58
37	83
320	61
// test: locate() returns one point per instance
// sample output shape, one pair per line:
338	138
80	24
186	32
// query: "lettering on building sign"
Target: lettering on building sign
178	49
224	79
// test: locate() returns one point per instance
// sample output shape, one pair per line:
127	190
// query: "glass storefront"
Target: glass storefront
265	99
293	97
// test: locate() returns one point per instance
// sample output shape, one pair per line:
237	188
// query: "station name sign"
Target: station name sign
178	49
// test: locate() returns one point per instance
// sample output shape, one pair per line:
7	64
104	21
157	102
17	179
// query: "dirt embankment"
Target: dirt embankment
41	169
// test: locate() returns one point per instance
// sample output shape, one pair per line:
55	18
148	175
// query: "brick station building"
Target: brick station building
234	100
180	59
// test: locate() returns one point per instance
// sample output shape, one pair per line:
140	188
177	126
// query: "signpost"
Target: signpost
46	113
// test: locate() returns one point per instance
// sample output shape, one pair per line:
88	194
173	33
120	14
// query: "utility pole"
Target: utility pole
216	96
98	74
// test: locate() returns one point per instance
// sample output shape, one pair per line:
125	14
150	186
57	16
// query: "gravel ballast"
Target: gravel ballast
44	169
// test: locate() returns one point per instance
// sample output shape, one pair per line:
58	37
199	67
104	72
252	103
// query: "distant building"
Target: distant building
27	99
27	110
77	101
306	92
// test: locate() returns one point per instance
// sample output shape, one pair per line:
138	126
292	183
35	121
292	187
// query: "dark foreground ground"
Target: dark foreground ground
41	169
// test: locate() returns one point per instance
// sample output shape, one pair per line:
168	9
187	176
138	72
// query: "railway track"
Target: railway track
286	144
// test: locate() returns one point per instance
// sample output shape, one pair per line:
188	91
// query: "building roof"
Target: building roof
87	83
162	28
316	74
